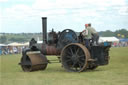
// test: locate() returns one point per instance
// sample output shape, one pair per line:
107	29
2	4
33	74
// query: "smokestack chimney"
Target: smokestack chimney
44	29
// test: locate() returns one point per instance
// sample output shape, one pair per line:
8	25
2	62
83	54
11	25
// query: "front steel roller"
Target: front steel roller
74	57
33	60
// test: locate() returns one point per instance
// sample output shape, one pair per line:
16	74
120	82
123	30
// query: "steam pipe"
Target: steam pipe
44	29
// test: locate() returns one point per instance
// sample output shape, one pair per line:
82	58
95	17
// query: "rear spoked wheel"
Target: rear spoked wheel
75	57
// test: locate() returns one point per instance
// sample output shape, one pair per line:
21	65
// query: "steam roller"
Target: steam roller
70	49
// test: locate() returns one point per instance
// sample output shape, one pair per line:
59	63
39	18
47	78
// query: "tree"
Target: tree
3	39
18	39
122	32
106	33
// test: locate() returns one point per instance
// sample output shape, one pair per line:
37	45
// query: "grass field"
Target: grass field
116	73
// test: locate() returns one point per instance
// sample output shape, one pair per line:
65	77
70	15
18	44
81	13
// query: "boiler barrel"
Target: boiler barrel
50	50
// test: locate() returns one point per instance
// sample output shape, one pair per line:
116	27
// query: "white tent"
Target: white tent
3	45
26	44
108	39
39	41
15	44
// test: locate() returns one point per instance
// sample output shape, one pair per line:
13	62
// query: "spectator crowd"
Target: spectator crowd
12	49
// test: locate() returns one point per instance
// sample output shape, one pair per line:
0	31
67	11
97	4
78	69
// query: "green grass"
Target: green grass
116	73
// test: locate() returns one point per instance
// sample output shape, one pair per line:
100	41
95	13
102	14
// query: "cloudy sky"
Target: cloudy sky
17	16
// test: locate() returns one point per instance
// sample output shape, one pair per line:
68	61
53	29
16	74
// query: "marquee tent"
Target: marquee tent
108	39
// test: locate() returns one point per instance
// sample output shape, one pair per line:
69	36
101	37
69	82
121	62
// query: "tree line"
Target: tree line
19	37
25	37
122	33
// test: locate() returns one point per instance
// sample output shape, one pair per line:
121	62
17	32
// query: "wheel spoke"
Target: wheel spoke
77	51
80	65
81	59
74	48
71	51
68	56
73	65
81	56
68	53
68	60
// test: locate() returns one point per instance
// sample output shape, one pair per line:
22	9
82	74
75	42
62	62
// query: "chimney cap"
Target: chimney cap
44	17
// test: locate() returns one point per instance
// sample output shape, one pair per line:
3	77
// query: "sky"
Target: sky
18	16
